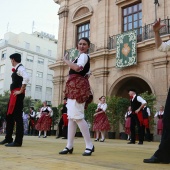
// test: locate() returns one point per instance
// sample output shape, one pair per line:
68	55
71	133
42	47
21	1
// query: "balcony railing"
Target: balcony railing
143	33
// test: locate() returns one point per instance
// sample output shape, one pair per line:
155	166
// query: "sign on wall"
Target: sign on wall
126	54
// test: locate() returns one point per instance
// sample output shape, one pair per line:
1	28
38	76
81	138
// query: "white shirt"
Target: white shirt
22	72
32	114
148	111
102	106
139	99
159	113
127	114
165	46
82	60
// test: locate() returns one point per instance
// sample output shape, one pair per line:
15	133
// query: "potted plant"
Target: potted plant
112	116
116	110
89	112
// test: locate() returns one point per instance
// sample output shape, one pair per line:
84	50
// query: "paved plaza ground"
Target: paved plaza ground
42	154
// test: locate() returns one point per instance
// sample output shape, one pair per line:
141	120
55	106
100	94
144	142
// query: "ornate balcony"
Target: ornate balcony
143	33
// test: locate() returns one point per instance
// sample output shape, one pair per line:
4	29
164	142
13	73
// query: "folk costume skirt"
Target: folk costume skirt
127	125
78	93
43	123
101	122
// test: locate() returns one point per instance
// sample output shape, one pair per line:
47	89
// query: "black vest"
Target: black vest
64	109
85	69
135	104
145	113
160	116
46	110
16	80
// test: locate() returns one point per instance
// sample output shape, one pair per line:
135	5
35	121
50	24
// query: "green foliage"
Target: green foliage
116	109
55	116
4	98
151	101
38	104
27	104
89	112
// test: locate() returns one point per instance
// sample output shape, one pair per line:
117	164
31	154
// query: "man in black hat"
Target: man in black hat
15	106
162	155
137	103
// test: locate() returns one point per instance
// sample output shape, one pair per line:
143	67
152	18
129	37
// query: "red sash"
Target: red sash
140	117
12	101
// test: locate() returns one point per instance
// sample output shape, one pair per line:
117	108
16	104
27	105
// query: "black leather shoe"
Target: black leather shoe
140	143
58	137
102	140
66	151
89	153
44	136
4	142
131	142
96	140
13	144
154	159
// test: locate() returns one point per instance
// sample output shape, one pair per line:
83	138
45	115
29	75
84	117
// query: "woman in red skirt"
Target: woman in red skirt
159	115
101	123
128	121
44	122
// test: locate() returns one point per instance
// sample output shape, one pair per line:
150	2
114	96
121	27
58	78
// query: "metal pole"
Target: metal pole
156	3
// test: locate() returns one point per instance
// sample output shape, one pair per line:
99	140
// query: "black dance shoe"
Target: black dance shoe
154	159
131	142
102	140
44	136
89	153
13	144
140	143
5	141
66	151
96	140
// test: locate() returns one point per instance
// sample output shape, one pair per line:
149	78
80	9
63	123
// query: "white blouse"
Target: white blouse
102	106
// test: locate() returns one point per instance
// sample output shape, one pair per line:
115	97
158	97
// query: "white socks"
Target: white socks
39	133
72	126
83	126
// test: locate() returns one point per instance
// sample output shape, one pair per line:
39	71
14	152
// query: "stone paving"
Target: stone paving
42	154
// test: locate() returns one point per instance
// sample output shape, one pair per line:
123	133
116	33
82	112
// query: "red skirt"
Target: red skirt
127	125
78	87
44	123
159	127
101	122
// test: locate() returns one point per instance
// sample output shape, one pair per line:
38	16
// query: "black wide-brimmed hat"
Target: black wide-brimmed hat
132	90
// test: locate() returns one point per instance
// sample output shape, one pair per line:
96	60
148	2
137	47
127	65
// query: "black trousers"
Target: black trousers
163	152
60	127
31	129
15	117
135	123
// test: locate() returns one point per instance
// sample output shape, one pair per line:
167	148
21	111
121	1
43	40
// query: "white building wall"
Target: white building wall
19	43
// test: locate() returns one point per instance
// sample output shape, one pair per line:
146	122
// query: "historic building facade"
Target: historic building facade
101	21
38	50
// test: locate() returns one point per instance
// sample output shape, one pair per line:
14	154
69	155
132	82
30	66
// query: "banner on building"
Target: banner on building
126	54
72	53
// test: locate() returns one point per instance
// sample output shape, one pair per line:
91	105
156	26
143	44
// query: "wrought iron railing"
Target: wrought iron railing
143	33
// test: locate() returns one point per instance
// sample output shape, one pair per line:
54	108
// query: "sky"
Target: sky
29	15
